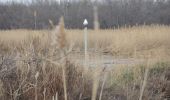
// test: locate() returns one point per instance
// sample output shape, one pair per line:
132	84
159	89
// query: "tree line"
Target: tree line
111	13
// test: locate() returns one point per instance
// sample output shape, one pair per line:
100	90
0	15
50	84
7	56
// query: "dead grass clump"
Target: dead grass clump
20	83
36	71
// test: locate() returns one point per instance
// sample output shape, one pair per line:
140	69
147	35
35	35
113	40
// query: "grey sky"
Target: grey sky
18	0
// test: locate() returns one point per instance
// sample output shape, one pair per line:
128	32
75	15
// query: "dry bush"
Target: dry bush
32	70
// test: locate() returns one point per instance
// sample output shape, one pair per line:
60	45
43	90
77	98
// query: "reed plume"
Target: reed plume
58	37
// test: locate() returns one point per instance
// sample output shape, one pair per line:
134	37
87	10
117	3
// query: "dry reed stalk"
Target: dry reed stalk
145	80
56	96
36	85
96	78
101	92
53	98
144	83
1	89
44	93
64	82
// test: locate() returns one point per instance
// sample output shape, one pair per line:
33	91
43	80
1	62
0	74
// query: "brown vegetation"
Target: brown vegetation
38	67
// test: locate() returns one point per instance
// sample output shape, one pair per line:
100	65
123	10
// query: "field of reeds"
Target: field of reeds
39	65
124	41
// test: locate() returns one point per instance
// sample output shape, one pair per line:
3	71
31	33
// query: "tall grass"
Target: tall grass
129	41
36	65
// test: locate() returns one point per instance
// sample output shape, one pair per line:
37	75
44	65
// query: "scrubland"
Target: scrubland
36	64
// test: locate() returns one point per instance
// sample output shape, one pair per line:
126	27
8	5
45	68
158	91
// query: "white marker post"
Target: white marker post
85	23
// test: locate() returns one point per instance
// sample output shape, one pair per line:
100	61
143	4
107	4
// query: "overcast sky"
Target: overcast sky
16	0
28	0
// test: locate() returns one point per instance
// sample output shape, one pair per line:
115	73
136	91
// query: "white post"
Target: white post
85	23
85	45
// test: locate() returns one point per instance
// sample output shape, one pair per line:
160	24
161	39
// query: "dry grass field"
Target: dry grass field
137	40
34	65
